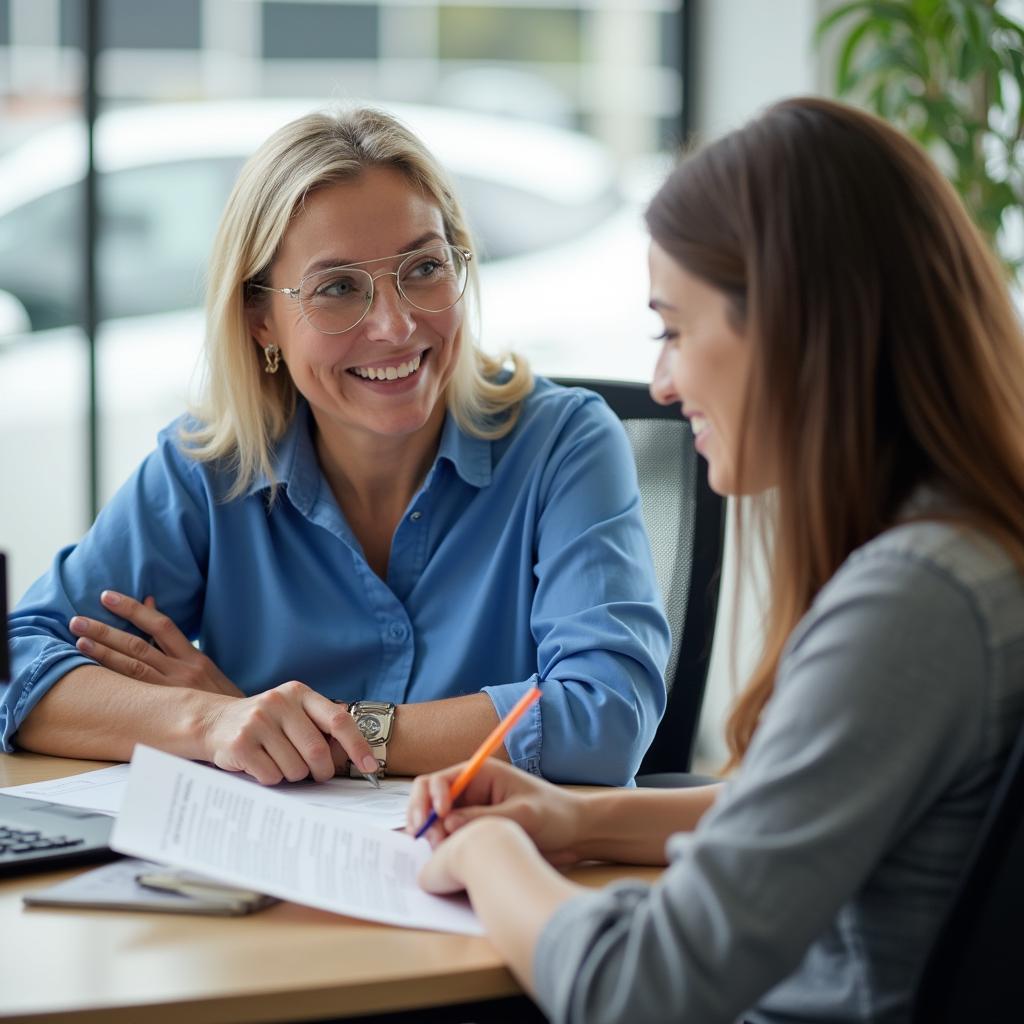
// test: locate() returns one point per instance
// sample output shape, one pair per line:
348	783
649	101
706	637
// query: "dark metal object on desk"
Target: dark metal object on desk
5	661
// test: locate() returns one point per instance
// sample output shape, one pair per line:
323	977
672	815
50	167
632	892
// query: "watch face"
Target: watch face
369	726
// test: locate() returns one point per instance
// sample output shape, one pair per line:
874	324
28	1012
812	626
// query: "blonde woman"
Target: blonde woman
378	536
837	332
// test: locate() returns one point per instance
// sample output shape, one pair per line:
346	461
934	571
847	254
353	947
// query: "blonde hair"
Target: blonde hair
244	411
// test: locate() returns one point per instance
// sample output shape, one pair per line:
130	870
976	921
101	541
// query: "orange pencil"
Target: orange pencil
488	747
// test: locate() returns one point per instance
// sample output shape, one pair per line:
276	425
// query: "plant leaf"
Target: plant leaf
845	76
826	24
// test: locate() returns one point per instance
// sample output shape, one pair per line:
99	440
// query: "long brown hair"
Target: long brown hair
886	351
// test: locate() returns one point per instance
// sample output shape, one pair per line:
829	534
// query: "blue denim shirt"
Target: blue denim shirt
518	559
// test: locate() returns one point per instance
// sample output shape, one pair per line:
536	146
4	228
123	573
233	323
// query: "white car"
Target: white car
563	274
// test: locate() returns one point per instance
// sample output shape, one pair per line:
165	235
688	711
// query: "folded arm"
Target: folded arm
290	732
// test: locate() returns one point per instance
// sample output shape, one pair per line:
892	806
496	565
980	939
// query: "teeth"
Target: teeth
698	424
388	372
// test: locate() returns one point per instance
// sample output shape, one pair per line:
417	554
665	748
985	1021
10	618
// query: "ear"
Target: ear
257	318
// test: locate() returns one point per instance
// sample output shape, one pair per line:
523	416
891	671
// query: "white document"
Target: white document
94	791
103	790
383	807
194	817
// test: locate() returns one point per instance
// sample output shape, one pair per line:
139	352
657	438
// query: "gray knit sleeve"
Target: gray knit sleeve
878	702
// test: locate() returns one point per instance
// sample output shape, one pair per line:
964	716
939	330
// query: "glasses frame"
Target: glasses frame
404	257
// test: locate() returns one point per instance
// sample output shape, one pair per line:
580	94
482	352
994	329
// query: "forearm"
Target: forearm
439	733
95	713
514	891
630	826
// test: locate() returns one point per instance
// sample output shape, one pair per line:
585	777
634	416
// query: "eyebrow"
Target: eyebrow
330	262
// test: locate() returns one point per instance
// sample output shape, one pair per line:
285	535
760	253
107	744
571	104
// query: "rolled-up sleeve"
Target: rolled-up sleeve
597	619
522	560
151	538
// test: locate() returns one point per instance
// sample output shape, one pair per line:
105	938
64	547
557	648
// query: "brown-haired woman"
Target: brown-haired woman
838	336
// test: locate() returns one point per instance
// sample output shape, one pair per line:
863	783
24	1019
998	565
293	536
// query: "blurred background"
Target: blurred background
556	117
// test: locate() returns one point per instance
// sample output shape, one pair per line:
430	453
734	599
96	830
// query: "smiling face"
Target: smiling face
386	377
704	365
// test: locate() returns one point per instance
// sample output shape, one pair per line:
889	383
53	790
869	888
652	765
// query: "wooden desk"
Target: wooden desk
286	963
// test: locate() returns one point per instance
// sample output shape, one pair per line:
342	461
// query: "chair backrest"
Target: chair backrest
685	521
975	971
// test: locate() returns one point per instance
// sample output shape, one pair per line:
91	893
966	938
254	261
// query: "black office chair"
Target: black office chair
975	971
685	520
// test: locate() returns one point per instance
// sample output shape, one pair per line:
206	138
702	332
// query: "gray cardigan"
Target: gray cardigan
813	888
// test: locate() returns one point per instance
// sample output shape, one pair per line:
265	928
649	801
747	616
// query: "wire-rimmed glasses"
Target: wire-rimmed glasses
333	301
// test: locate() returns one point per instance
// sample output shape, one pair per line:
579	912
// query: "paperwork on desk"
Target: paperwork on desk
103	790
190	816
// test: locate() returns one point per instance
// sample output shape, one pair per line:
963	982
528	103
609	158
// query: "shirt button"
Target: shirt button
396	631
416	516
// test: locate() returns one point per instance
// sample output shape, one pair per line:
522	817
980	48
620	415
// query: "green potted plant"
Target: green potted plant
951	74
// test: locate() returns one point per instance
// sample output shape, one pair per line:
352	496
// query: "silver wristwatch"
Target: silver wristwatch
376	720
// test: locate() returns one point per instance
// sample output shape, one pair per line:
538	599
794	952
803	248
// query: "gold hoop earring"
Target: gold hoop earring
272	359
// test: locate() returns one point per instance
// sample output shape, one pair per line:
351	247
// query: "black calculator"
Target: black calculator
35	835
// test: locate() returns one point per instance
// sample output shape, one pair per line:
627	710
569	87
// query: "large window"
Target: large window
554	118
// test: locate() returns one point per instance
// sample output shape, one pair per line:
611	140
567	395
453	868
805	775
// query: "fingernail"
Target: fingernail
109	597
85	645
369	763
76	624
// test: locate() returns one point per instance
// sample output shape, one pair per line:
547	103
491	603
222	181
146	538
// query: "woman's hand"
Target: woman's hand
451	867
514	891
169	661
289	732
551	817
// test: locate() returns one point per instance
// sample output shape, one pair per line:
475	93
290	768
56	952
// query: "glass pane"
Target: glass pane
158	213
152	254
492	32
553	118
43	356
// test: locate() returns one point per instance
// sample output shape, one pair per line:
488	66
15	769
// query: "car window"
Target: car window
156	226
40	257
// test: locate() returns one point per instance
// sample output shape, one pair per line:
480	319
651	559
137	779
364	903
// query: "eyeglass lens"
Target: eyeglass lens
334	301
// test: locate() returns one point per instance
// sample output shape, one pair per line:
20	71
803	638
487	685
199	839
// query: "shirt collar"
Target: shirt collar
293	462
296	468
469	455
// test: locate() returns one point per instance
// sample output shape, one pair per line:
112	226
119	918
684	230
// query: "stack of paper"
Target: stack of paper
103	790
227	828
